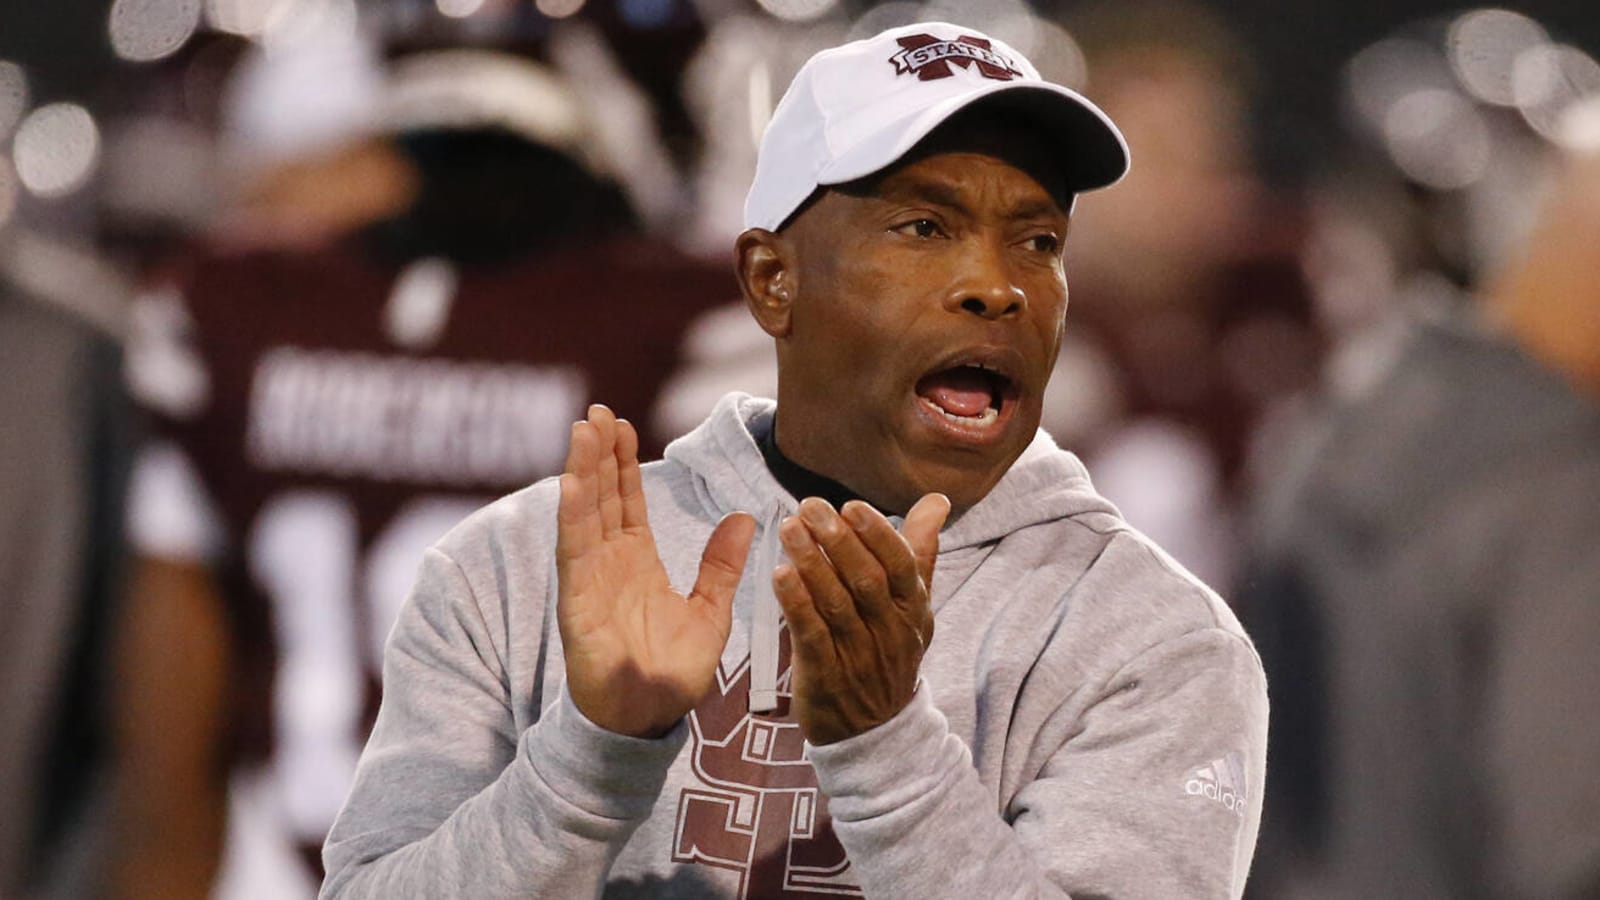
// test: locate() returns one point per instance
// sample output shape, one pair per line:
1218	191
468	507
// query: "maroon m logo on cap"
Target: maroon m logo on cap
930	57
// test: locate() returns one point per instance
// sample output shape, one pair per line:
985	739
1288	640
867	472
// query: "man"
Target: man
1427	594
326	410
1087	720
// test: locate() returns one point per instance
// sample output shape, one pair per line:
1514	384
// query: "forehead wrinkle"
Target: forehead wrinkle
910	185
939	192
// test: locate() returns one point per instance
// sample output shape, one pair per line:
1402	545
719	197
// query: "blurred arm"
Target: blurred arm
168	709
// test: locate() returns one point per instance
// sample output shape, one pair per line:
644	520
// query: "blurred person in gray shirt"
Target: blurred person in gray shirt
63	454
1426	597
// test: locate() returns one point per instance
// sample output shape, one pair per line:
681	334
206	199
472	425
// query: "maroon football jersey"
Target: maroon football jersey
349	413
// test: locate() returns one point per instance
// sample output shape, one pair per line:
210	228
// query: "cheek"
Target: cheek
860	302
1048	299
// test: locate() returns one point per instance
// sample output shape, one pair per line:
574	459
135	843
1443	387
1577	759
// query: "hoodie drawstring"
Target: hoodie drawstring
765	621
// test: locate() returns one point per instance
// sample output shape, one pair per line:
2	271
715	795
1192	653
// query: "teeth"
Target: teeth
987	417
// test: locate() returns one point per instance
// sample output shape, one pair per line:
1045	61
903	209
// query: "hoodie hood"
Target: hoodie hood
1044	484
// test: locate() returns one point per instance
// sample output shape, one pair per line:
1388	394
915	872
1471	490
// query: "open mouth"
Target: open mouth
970	395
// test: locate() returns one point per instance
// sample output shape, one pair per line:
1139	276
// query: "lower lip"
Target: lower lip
971	432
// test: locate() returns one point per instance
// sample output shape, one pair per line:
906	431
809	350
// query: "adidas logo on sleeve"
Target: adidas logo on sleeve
1221	781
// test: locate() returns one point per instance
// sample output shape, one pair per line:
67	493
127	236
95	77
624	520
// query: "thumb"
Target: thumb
921	531
722	564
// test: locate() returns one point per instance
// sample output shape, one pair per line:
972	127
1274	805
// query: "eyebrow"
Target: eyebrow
1038	209
941	194
935	192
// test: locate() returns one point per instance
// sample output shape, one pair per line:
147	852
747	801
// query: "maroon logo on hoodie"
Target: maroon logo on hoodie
758	812
930	57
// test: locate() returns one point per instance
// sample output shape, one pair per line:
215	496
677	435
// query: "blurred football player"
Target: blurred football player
328	400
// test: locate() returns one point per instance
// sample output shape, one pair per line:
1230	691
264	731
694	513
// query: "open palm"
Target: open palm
639	655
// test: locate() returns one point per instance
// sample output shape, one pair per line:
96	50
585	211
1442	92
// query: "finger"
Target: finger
828	593
808	632
860	570
577	519
921	531
889	548
610	500
630	484
580	448
721	565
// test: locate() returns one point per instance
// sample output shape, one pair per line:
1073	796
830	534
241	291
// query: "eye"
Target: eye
922	228
1044	243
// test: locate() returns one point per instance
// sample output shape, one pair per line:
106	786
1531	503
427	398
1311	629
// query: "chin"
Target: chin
965	486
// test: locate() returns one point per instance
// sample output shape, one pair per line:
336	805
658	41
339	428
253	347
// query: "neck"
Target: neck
798	480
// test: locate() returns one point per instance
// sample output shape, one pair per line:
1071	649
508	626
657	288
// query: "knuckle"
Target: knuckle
833	604
906	588
830	534
867	584
808	635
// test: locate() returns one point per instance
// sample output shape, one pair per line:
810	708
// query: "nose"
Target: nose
984	285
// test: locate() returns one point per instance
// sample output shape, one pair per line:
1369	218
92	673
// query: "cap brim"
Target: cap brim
1094	153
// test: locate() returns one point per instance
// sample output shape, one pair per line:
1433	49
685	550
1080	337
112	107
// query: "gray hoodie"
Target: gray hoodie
1091	720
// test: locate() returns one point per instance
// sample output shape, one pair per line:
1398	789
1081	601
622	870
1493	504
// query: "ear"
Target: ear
767	278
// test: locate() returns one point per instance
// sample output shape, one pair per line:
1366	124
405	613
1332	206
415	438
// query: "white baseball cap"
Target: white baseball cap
854	109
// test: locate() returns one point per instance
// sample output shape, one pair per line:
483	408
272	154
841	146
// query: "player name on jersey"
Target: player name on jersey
406	419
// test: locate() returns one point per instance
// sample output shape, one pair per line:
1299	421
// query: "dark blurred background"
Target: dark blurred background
1340	212
1300	47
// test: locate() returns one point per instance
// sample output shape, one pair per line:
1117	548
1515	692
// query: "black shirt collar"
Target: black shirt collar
798	480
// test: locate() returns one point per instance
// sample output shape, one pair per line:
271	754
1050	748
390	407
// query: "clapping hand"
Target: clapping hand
639	655
857	600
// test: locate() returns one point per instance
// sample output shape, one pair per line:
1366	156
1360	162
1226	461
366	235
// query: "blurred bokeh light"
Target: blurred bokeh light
55	149
1382	74
146	30
1437	138
1430	93
1547	80
884	15
798	10
249	18
559	9
1011	21
1580	128
1484	45
459	9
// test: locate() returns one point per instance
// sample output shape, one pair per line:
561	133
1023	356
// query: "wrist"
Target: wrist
822	731
624	721
598	770
887	766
